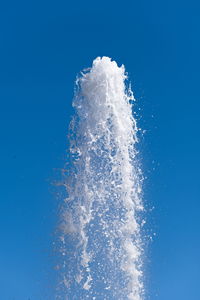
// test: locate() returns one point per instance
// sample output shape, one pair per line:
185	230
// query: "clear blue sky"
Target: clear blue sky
43	45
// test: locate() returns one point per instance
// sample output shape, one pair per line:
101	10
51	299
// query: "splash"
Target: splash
101	239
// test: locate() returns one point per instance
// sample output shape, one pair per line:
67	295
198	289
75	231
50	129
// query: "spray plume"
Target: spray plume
101	238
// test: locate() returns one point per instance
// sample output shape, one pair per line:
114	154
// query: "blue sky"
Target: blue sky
44	44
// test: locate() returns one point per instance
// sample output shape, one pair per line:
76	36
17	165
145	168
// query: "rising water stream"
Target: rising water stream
101	228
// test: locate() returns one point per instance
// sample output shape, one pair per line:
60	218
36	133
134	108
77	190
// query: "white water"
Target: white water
101	240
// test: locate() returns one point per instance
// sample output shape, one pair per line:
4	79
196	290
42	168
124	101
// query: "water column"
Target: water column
100	225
